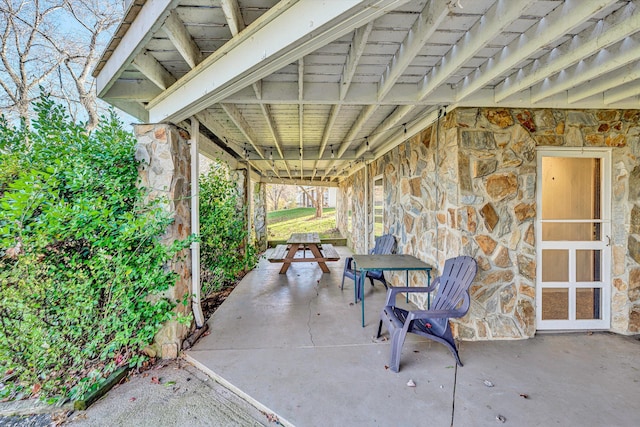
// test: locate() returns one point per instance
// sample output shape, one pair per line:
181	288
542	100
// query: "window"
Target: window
378	206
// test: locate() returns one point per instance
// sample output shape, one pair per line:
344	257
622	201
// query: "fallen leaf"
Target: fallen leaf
488	383
350	303
272	418
524	395
145	375
133	399
501	418
411	383
416	351
36	388
155	380
386	366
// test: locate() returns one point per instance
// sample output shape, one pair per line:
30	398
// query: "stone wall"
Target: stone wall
467	186
165	169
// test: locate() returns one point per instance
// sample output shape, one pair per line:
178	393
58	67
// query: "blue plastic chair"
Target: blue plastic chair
385	245
451	301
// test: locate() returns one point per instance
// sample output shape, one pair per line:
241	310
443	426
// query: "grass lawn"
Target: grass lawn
282	223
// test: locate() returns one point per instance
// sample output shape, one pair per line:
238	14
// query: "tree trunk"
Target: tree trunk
319	201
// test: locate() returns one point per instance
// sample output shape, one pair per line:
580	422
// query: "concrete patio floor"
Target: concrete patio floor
293	344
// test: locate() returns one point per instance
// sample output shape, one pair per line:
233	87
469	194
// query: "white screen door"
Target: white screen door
573	239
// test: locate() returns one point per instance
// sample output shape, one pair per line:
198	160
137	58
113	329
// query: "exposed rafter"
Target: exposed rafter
356	50
357	126
326	134
605	33
153	70
631	91
242	125
382	131
266	112
423	28
234	19
498	17
334	68
232	14
624	84
619	77
605	61
148	20
565	17
182	40
253	55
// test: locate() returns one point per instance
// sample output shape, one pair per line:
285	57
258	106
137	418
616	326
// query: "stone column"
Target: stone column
165	162
260	215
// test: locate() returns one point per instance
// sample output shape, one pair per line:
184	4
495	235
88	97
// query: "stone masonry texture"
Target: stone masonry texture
467	186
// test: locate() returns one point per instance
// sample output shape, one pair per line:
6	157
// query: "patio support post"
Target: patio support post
195	225
367	233
248	201
165	163
260	215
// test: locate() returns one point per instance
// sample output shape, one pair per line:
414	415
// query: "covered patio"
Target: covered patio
293	345
450	125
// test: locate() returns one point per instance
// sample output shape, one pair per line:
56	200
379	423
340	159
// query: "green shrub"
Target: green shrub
224	251
81	264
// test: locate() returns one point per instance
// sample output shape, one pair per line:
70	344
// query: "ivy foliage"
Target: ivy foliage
82	269
224	252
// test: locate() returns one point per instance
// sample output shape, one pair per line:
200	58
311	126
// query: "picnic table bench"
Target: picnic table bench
286	254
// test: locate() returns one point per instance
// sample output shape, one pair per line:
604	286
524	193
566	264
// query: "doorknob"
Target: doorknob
608	240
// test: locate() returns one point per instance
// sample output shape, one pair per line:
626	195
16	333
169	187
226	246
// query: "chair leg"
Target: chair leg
379	329
342	285
451	344
397	336
371	280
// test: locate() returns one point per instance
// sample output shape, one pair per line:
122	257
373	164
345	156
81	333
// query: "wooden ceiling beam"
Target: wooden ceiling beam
282	36
182	40
356	49
621	24
428	21
232	14
607	60
153	70
567	16
502	14
242	125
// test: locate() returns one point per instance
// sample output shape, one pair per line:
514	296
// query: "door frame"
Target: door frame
605	243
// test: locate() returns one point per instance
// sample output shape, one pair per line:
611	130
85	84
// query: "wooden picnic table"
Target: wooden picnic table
287	253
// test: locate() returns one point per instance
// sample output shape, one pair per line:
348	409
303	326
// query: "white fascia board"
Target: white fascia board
149	19
309	24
